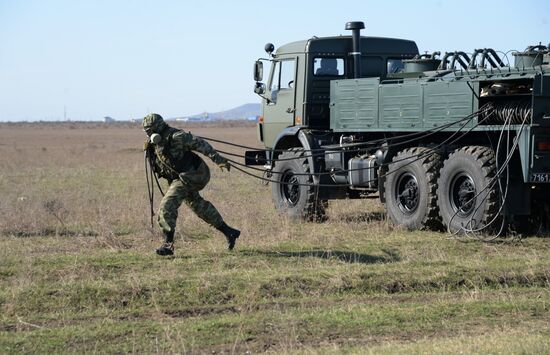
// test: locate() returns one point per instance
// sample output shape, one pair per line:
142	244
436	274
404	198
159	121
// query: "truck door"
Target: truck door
280	109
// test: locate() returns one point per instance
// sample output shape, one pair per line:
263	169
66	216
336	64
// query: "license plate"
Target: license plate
540	177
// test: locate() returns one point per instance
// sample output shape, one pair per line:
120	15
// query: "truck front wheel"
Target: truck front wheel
410	189
467	192
294	193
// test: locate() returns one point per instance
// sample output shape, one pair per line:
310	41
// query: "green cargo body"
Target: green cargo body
361	105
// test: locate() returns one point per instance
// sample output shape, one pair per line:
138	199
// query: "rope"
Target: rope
469	229
151	176
150	189
507	114
431	150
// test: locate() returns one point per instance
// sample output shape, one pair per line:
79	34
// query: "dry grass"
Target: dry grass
77	272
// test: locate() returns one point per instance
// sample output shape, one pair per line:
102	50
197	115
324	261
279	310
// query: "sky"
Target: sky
84	60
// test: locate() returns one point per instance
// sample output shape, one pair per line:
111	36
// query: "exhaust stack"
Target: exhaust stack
356	27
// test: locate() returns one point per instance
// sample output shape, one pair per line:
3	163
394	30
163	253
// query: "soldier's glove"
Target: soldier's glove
146	145
225	165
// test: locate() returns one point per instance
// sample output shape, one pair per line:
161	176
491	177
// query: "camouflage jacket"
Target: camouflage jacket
175	153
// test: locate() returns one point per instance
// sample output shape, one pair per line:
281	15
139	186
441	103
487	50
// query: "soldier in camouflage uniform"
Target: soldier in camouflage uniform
173	159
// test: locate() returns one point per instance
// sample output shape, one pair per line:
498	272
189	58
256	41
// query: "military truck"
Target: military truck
460	140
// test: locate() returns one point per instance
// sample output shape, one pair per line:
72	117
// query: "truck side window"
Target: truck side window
276	74
394	65
287	75
328	66
283	75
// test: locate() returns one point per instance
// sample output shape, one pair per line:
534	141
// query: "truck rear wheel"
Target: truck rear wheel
410	189
467	192
294	193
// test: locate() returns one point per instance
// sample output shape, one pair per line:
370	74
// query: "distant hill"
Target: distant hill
242	112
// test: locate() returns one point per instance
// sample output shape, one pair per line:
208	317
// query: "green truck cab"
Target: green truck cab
298	85
461	141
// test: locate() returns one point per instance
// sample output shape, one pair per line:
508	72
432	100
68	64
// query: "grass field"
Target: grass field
78	272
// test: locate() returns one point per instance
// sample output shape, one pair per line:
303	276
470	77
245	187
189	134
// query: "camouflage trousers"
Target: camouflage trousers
186	189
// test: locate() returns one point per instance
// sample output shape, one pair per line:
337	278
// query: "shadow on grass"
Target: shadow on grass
344	256
176	256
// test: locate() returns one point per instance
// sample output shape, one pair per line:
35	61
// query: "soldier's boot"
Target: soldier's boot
231	234
168	247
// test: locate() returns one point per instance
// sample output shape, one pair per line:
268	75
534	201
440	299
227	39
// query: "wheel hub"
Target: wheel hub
290	188
462	194
407	193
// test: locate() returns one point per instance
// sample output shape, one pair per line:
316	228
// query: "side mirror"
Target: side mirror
259	88
258	71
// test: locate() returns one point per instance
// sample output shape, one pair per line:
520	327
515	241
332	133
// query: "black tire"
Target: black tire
410	189
294	194
468	190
